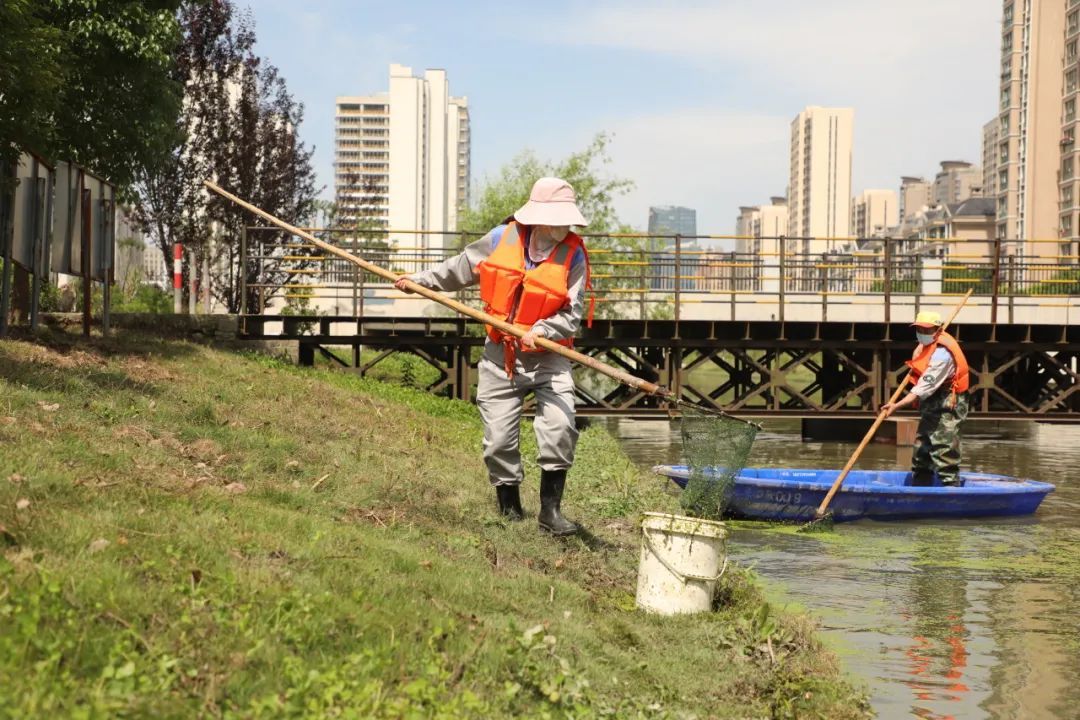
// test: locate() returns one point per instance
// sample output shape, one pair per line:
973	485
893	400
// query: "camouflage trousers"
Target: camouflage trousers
937	439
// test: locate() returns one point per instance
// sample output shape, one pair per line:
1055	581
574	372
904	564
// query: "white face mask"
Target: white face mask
925	338
553	234
544	239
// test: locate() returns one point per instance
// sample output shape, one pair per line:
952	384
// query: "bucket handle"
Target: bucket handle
684	577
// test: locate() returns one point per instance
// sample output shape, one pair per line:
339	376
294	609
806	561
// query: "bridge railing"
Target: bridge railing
683	277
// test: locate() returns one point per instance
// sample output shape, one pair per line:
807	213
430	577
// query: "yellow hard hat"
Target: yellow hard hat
928	318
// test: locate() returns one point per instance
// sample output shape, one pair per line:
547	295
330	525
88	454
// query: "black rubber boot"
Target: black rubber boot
551	520
510	501
922	478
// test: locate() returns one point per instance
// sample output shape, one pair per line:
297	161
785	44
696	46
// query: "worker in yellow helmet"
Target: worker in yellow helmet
941	379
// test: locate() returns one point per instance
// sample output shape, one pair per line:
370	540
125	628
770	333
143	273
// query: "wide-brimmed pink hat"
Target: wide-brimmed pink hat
551	202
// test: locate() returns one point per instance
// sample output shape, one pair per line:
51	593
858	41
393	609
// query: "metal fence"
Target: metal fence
653	276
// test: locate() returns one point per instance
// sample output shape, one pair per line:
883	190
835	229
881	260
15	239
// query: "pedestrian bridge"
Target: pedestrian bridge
762	332
795	369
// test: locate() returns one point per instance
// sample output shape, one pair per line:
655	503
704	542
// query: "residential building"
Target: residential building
819	201
915	195
994	156
770	225
874	213
1032	111
957	181
402	158
362	159
1069	199
748	217
965	229
758	227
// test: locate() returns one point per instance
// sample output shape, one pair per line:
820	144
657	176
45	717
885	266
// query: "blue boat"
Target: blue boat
794	495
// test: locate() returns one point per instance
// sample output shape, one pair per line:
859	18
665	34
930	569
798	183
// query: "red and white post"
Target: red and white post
177	278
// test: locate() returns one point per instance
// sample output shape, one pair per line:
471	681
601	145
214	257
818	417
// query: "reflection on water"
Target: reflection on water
941	619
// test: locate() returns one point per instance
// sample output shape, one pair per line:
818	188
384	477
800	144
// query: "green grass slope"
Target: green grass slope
191	532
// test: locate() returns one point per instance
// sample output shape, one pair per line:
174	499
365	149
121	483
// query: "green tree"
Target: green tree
30	77
239	127
618	275
499	197
89	81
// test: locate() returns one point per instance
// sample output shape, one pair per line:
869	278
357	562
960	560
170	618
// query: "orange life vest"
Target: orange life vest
921	361
524	297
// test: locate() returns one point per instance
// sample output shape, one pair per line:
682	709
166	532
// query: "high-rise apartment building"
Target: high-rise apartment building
770	225
993	155
1068	221
874	213
772	219
1031	144
915	194
819	203
760	226
362	159
957	181
744	223
402	158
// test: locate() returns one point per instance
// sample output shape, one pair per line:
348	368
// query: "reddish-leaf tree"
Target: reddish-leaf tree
238	128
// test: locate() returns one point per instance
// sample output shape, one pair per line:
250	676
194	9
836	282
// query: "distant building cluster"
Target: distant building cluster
1027	188
819	214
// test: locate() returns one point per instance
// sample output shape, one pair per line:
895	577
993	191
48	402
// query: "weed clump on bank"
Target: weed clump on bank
188	532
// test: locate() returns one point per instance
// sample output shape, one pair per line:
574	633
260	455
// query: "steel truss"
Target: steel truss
754	369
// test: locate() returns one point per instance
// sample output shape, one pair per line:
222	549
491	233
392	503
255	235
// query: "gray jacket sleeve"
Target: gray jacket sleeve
566	322
457	272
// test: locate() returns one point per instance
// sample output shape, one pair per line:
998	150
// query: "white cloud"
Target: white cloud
820	45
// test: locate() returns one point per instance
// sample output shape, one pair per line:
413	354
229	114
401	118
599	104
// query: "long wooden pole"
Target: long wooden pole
590	362
820	512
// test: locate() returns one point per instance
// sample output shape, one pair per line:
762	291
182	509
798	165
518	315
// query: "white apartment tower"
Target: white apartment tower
819	200
759	227
957	181
874	213
915	195
402	157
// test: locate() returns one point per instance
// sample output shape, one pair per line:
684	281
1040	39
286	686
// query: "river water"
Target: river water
939	619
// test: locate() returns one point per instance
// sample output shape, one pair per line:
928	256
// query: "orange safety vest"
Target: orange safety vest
921	361
524	297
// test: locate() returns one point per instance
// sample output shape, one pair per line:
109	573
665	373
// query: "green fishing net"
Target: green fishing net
715	448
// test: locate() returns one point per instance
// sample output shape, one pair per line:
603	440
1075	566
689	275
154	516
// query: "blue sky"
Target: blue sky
698	96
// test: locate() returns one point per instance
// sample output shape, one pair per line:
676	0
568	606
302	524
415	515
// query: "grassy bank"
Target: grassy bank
192	532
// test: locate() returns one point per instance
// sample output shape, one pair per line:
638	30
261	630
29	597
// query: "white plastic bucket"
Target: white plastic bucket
682	558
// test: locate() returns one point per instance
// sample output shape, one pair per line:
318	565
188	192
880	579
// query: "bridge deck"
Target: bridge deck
754	369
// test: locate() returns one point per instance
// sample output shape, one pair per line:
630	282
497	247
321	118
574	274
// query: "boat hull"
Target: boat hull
794	494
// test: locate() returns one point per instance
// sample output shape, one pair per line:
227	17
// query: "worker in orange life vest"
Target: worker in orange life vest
532	272
941	376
